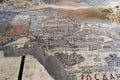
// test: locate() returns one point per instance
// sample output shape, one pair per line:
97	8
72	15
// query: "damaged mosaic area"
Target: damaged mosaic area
84	43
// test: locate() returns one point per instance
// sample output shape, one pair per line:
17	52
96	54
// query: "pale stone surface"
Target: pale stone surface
9	67
33	70
19	43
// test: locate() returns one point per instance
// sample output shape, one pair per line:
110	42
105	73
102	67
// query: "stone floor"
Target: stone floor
9	69
33	70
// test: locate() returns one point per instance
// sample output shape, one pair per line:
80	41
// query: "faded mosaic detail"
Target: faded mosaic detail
69	60
82	44
113	60
61	31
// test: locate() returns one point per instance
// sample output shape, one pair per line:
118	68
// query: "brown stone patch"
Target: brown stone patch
13	32
97	13
69	59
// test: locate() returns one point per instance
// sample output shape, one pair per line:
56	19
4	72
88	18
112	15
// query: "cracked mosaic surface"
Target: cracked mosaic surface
72	43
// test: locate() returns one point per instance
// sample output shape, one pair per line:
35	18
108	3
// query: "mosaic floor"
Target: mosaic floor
61	40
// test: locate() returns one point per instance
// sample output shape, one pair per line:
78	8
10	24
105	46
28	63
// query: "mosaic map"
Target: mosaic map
72	39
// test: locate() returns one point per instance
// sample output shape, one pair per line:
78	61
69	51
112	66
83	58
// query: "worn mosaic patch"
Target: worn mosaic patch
72	39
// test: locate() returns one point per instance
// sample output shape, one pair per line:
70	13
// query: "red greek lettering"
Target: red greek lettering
82	77
96	77
89	77
112	77
104	77
118	76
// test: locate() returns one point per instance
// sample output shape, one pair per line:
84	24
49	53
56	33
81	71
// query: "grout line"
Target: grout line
21	68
